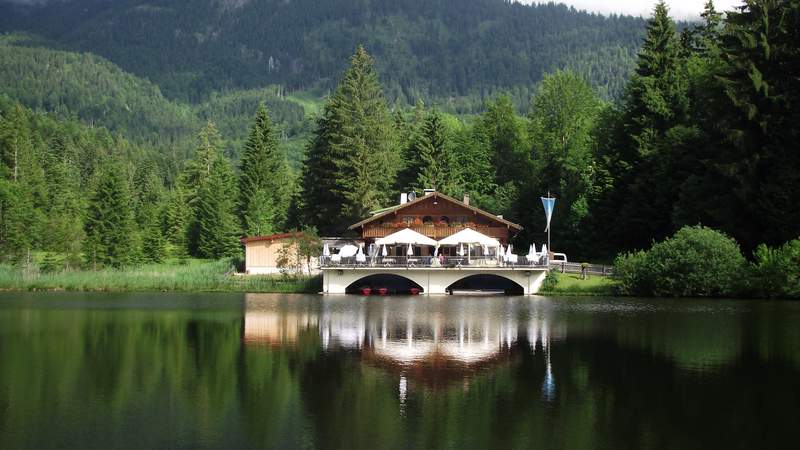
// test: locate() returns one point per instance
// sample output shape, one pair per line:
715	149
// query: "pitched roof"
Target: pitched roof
271	237
397	208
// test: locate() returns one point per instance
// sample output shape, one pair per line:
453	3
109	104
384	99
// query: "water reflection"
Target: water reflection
285	371
433	340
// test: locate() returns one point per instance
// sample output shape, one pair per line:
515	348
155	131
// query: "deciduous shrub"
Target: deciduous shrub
695	262
775	272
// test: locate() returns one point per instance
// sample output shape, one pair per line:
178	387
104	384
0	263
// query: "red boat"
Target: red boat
414	291
366	291
383	291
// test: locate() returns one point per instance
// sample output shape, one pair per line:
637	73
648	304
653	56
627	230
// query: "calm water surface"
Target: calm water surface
292	371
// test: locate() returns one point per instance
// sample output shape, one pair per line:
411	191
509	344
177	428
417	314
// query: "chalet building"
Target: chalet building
436	216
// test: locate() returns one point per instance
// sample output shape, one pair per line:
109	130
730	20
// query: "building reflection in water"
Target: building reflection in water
432	341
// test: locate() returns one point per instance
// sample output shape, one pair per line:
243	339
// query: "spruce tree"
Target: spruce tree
109	220
218	230
353	158
655	126
433	156
265	184
759	120
197	172
177	220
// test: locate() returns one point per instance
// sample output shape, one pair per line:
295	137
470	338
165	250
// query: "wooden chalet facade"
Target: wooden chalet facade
437	216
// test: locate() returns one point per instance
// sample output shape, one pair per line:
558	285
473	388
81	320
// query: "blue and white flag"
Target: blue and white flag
549	204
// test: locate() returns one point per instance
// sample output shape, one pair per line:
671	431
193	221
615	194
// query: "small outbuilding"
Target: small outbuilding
263	254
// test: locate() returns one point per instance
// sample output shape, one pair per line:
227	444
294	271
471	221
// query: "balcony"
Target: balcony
435	231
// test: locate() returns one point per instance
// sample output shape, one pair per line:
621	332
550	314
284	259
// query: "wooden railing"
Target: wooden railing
435	232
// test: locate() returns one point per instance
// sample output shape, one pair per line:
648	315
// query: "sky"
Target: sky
679	9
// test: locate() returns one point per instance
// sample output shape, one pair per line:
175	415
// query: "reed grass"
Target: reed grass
192	276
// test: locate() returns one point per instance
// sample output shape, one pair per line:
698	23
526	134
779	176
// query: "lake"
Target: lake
306	371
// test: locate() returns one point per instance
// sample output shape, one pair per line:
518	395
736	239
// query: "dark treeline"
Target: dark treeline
460	50
705	133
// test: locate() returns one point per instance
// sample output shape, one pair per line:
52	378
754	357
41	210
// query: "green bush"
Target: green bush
695	262
550	281
775	272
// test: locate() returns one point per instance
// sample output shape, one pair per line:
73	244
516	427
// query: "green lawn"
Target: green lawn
192	275
571	284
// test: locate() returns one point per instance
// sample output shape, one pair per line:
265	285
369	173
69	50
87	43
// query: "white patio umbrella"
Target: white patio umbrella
325	250
360	250
544	250
469	236
460	249
406	236
348	250
384	252
410	251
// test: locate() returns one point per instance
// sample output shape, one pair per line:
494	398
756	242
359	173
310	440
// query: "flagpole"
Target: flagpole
549	248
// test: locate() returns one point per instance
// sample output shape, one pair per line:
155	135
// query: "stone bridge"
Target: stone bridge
433	281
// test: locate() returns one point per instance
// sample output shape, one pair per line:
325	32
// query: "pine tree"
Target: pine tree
433	157
353	158
318	203
265	183
759	117
154	244
15	221
177	220
64	224
655	125
109	220
197	172
218	230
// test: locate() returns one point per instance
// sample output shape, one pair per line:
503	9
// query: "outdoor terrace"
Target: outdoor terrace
429	262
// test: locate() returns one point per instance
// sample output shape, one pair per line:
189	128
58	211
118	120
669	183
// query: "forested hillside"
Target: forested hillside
457	50
99	93
704	133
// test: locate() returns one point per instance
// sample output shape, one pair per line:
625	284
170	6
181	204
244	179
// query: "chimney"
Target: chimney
466	199
403	198
428	191
499	216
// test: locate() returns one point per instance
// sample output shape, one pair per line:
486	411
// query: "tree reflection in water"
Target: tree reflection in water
288	371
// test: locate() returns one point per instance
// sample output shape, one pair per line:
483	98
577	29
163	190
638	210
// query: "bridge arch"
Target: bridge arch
487	281
396	284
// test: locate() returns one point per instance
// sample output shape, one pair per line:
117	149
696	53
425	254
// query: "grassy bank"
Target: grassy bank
571	284
194	276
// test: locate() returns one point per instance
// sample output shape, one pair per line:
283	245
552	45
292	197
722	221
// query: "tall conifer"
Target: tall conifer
265	181
353	158
109	220
218	230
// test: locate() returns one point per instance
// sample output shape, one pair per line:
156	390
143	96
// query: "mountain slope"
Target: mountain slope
99	93
429	48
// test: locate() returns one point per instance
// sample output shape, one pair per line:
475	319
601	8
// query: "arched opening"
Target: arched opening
485	284
393	284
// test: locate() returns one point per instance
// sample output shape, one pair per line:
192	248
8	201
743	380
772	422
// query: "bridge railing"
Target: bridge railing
573	267
445	262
